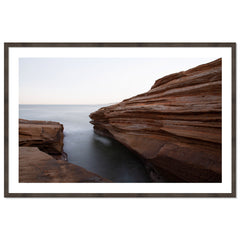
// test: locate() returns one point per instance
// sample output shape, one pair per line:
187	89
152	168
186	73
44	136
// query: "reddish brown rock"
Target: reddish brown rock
46	135
36	166
175	126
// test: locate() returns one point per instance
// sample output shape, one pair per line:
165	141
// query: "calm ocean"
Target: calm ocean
100	155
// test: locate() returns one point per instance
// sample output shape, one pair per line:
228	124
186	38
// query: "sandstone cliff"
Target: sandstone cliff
41	156
175	126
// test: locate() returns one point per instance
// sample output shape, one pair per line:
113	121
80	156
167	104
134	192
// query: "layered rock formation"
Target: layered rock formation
41	156
46	135
175	126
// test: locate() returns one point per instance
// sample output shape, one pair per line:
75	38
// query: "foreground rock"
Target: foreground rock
36	166
175	126
41	156
46	135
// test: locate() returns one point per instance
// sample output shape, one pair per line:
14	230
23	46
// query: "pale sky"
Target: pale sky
93	80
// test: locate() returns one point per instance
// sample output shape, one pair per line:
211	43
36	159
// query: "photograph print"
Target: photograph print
121	119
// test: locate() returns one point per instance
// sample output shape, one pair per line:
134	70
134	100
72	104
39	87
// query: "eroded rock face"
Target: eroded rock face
36	166
46	135
175	126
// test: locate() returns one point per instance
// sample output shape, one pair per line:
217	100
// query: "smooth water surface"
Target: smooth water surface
100	155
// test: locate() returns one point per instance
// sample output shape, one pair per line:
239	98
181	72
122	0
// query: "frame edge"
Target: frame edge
7	45
6	119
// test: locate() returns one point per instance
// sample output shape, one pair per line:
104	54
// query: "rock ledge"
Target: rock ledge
175	126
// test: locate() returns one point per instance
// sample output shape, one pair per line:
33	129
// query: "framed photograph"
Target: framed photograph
120	119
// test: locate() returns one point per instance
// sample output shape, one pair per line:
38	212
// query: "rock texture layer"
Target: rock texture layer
36	166
41	156
46	135
175	126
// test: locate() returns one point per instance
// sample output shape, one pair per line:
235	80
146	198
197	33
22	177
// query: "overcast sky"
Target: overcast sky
93	80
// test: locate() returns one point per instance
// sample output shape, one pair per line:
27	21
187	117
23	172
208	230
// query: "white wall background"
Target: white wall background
117	21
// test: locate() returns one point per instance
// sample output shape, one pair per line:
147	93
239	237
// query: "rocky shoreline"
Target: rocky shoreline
41	156
175	127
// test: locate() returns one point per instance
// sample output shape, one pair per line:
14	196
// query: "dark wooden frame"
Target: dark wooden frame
62	45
